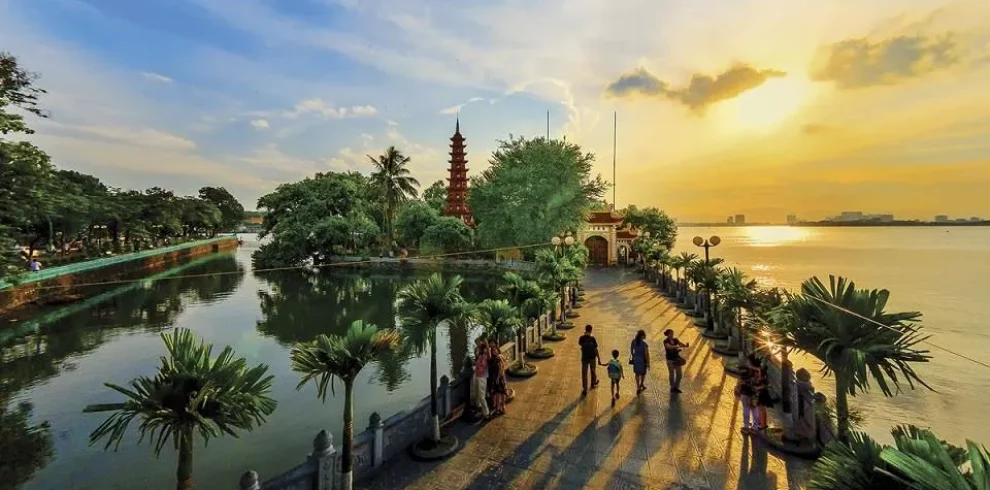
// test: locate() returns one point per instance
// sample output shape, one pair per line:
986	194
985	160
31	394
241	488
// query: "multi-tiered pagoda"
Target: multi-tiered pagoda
457	183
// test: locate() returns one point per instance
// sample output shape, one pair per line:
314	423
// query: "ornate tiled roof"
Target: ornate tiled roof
604	217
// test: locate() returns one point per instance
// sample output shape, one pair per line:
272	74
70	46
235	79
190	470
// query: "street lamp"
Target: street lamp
707	244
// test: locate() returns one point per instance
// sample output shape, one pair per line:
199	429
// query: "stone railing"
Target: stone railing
430	263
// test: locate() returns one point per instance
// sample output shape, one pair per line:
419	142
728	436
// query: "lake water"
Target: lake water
937	271
61	369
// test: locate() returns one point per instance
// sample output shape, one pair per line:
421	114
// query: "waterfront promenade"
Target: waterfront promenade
554	438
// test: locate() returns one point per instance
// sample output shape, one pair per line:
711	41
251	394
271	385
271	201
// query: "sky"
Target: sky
759	107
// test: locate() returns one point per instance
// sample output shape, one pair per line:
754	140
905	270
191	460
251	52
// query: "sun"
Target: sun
767	106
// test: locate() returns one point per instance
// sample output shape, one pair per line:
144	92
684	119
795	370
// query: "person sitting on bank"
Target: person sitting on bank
34	265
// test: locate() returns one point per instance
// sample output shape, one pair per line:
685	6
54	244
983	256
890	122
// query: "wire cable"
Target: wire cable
870	320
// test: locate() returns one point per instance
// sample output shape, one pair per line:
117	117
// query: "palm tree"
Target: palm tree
854	337
918	460
192	392
336	356
499	318
393	180
424	305
554	270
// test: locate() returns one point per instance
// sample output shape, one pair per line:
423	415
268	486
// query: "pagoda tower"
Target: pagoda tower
457	183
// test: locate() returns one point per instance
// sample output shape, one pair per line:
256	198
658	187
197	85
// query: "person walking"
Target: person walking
497	383
589	359
34	265
614	369
746	390
479	382
640	360
675	363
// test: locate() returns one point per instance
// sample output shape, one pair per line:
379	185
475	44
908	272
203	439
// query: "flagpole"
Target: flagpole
615	127
548	125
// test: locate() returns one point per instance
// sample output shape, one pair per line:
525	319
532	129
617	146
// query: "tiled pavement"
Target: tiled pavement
554	438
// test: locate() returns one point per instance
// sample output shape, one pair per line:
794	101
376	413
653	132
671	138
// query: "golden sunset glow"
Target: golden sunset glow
768	106
775	236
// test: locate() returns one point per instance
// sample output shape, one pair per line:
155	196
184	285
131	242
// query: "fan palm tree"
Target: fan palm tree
499	318
423	306
336	356
554	270
856	339
393	180
191	393
918	460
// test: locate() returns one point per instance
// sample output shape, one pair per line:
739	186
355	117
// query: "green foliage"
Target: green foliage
447	235
191	393
24	448
44	207
436	195
316	218
394	184
918	460
856	339
231	211
341	356
662	228
498	318
533	190
413	221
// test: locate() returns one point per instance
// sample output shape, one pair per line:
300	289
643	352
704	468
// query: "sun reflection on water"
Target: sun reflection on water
774	236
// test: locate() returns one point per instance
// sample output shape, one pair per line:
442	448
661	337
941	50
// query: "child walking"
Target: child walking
614	368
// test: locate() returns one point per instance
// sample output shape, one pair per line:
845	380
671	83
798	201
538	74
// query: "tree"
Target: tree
315	218
393	181
662	228
533	190
17	90
499	319
436	195
231	210
447	235
423	306
24	448
413	221
191	393
342	357
555	272
856	339
918	460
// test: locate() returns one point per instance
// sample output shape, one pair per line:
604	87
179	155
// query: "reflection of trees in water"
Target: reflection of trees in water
42	354
24	448
301	305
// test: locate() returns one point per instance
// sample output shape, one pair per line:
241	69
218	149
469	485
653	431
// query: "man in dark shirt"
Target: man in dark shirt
589	359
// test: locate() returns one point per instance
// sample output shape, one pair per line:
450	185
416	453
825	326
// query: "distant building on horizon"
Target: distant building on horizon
792	219
941	218
729	220
855	216
740	219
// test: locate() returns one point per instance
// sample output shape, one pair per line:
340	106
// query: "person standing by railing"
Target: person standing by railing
479	381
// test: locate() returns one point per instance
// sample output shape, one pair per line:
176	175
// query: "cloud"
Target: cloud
815	128
260	123
454	109
132	136
858	63
703	91
327	111
156	77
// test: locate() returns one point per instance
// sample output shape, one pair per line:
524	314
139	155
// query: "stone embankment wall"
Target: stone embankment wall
75	281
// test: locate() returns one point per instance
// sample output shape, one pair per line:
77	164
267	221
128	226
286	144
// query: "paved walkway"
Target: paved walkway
554	438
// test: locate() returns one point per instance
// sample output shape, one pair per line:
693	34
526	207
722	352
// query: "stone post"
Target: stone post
444	396
377	428
249	481
324	457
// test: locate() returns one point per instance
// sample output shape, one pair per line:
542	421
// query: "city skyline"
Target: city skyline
758	107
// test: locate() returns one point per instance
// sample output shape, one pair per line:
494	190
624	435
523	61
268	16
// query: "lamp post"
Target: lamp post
707	244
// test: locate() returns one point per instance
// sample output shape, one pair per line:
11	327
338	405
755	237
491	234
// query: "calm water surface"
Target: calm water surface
62	368
940	272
